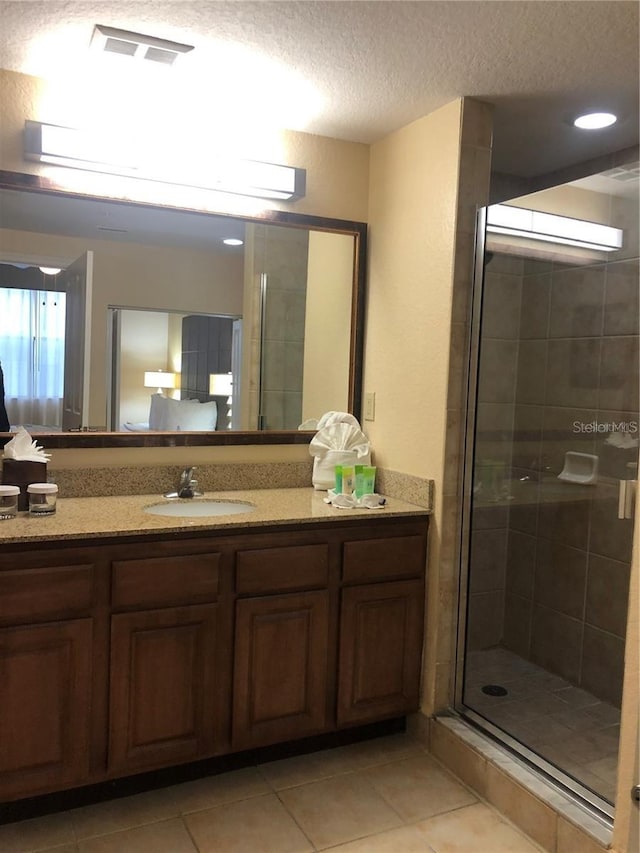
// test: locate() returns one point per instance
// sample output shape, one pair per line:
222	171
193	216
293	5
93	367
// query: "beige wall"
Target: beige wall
414	183
412	216
325	383
144	340
426	181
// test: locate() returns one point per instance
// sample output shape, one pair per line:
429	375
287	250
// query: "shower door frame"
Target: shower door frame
600	807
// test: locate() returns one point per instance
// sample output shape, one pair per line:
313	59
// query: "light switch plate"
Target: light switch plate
370	406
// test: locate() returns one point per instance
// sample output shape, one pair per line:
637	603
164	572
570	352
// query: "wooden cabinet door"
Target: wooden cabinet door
163	687
280	676
45	707
381	629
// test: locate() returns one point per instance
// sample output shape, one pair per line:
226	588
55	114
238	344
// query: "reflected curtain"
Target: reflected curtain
32	355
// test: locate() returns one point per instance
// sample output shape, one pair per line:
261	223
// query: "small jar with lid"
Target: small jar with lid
9	501
42	498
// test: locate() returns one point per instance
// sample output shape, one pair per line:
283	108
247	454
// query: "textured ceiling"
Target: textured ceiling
364	69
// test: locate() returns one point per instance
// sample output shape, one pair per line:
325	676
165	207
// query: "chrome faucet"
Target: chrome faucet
187	486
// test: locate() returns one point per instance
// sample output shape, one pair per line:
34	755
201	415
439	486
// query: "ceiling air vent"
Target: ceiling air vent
137	45
630	172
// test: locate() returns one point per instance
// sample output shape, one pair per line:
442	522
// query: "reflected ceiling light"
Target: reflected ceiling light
233	241
136	45
595	121
76	149
550	228
50	270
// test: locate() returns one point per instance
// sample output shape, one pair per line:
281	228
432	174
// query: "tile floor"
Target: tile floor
566	725
386	795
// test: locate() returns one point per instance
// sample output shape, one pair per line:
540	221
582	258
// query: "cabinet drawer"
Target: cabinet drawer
383	559
159	581
49	593
282	569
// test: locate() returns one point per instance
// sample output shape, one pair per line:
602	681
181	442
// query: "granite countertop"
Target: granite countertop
96	517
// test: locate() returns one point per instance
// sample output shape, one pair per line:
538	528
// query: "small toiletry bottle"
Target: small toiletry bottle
348	479
42	498
9	501
338	485
359	470
369	480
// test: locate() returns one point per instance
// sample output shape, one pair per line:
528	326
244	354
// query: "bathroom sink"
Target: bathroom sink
194	508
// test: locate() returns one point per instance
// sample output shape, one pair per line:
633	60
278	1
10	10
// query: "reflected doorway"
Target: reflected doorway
188	349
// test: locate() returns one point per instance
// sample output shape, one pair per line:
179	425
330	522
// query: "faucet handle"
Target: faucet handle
186	484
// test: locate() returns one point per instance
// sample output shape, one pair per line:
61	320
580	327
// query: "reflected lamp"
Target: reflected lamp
221	385
159	379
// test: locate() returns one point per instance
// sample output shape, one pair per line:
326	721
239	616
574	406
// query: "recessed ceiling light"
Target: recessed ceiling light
595	121
232	241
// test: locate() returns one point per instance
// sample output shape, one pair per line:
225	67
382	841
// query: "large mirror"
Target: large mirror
169	334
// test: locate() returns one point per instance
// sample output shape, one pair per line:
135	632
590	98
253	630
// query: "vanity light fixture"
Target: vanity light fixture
595	121
550	228
76	149
159	379
50	270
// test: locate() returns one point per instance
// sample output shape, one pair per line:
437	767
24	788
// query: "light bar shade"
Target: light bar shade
76	149
159	379
551	228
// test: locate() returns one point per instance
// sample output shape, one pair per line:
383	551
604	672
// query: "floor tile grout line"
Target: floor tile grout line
382	763
144	825
404	821
293	818
190	834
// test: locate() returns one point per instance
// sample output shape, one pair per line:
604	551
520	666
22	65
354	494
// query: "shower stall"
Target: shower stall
551	471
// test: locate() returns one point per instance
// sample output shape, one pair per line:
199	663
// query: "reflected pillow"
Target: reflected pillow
189	416
169	415
156	411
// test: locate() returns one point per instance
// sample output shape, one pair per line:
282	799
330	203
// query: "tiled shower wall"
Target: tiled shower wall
559	366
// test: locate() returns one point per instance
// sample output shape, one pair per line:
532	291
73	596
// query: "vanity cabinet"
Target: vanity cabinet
47	608
282	641
165	668
119	657
381	628
380	651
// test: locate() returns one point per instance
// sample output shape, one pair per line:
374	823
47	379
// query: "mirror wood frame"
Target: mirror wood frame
38	184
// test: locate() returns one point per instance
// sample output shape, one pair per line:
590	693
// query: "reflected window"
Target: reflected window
32	355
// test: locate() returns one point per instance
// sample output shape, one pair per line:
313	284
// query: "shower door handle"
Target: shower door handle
626	492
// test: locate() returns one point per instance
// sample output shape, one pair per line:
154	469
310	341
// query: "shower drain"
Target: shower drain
494	690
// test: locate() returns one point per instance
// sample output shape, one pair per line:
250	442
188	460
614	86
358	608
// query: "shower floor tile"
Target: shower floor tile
564	724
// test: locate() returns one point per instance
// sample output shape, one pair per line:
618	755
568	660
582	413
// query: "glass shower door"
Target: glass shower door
551	481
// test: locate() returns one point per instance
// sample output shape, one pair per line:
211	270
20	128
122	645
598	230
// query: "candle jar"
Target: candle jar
42	498
9	501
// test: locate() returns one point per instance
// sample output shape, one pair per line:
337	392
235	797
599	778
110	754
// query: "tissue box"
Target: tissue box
22	474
